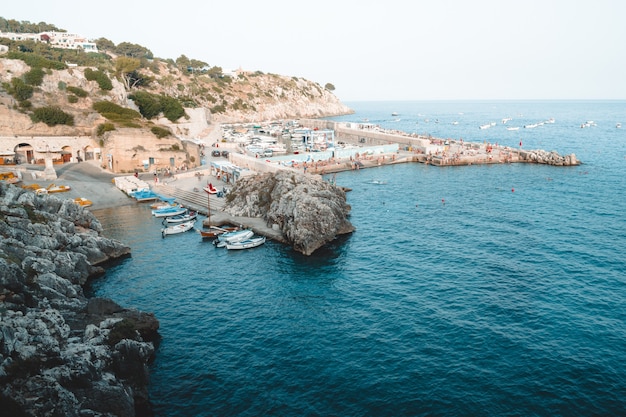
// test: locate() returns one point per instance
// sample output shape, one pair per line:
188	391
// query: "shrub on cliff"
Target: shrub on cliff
151	105
77	91
34	77
160	132
19	89
104	127
114	112
52	116
103	80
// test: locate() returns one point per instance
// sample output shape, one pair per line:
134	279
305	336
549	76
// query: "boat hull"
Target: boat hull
246	244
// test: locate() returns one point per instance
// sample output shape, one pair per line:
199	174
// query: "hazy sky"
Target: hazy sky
377	50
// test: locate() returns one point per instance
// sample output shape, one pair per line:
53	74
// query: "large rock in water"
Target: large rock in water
309	212
62	354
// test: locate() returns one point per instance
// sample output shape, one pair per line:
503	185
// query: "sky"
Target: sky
377	50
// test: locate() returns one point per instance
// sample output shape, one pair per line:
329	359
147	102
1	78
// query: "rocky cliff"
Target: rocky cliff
309	212
62	354
242	98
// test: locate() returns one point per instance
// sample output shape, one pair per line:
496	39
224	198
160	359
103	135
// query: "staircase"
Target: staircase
197	200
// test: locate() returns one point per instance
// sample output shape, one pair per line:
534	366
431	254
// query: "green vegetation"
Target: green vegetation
116	113
34	77
104	127
329	87
151	105
161	132
19	89
77	91
36	60
100	77
52	116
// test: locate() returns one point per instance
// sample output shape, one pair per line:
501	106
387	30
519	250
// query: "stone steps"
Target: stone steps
197	200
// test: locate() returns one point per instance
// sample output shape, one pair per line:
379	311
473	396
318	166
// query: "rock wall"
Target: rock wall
62	354
309	212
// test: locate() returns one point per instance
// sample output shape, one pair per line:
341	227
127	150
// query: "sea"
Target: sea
483	290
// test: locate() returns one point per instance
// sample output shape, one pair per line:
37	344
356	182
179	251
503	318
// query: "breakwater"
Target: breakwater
436	151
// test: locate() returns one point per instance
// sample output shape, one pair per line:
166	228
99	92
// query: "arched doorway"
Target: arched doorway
66	154
89	153
24	154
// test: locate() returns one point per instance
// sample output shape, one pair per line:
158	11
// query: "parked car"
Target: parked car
225	154
215	153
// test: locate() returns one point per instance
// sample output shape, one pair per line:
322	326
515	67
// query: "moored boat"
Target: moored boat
169	211
83	202
232	237
247	244
177	228
180	218
215	231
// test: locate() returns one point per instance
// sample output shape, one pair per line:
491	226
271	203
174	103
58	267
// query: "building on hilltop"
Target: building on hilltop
61	40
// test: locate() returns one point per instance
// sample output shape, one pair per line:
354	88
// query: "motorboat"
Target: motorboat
177	228
83	202
232	237
169	211
247	244
180	218
210	189
215	231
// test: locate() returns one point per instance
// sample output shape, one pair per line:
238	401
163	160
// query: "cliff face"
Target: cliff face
61	353
243	98
309	212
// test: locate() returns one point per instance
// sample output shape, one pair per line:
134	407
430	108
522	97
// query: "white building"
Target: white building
62	40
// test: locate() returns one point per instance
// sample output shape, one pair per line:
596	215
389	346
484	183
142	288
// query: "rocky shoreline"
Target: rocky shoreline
62	353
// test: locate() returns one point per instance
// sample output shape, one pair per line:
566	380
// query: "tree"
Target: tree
329	87
104	44
183	62
124	68
133	50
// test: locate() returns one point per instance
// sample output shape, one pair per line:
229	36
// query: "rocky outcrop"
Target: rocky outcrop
309	212
62	354
548	158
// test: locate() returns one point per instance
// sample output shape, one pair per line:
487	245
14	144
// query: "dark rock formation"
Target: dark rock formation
549	158
309	212
62	354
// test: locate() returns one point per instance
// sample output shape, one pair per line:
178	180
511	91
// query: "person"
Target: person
136	174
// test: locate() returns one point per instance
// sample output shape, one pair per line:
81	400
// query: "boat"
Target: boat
144	195
83	202
247	244
180	218
215	231
169	211
618	126
394	113
232	237
57	188
177	228
487	126
210	189
531	126
513	128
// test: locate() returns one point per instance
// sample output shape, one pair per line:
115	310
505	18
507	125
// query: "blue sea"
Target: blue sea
495	290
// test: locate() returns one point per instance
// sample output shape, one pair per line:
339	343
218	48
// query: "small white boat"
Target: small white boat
531	126
177	228
181	218
394	113
487	126
247	244
512	128
618	126
232	237
169	211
